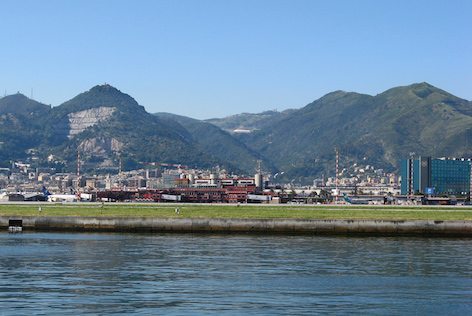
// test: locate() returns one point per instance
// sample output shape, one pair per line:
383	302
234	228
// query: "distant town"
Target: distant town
422	180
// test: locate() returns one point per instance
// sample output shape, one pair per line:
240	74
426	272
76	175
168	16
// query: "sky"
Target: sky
208	59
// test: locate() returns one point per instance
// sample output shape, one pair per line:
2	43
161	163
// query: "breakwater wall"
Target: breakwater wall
268	226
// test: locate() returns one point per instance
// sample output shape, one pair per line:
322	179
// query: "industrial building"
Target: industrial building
436	176
189	188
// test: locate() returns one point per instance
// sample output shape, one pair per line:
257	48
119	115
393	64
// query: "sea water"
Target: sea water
175	274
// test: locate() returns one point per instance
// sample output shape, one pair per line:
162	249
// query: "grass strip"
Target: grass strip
243	211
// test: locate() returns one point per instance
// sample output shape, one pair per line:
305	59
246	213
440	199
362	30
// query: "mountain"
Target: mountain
107	126
218	143
19	104
19	126
379	130
249	121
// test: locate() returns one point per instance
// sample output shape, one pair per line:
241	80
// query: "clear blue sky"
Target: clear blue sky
214	58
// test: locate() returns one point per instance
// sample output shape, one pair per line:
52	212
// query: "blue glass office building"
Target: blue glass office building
439	176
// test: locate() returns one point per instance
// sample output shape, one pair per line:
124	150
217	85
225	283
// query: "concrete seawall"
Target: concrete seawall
268	226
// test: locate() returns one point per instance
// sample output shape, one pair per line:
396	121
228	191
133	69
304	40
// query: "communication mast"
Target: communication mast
78	171
78	162
337	172
411	169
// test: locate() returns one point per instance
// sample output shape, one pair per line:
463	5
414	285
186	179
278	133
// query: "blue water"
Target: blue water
58	273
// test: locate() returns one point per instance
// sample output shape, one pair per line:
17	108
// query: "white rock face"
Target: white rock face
79	121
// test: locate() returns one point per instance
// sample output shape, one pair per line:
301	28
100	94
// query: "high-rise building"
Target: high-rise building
436	176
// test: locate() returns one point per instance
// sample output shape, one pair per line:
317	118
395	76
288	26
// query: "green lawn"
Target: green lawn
243	211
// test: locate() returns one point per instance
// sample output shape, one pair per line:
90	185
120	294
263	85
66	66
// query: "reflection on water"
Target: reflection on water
42	273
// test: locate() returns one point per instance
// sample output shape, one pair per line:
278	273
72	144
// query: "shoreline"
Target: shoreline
452	228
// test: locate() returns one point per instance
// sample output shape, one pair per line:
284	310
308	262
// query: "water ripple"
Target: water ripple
47	273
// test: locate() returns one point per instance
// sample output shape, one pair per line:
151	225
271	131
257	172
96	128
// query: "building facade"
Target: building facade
436	176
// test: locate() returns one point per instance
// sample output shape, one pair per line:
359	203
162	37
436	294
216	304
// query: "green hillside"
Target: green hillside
129	133
107	125
219	143
19	104
20	126
379	130
249	121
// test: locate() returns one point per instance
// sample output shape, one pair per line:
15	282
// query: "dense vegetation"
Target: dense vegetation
143	137
218	143
20	126
249	121
378	130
